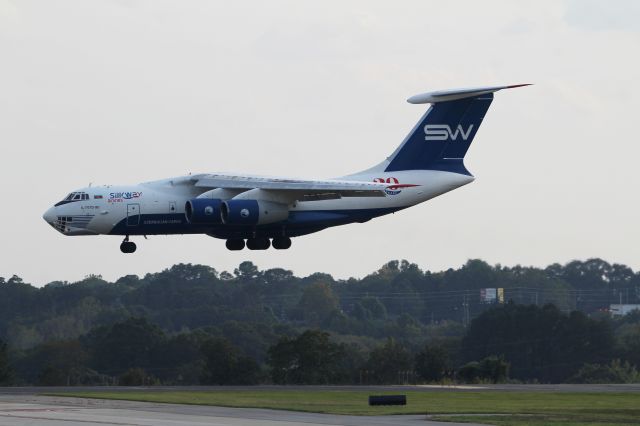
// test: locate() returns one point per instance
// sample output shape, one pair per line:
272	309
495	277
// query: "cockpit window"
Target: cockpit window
74	196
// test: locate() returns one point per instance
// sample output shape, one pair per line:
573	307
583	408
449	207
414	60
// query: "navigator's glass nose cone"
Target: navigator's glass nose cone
50	216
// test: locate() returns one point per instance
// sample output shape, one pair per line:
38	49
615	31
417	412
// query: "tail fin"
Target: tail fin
443	135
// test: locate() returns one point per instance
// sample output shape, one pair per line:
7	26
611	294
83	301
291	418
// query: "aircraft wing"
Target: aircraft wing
299	188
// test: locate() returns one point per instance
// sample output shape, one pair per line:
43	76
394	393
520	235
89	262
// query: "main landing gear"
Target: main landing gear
281	243
236	244
127	246
278	243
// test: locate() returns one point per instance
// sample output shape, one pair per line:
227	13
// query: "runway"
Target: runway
28	410
25	406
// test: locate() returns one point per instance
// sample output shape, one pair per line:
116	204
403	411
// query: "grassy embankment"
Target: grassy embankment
513	408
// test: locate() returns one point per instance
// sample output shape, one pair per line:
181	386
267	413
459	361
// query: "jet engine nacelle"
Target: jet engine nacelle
205	211
252	212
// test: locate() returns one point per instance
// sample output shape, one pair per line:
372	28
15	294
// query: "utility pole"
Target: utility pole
465	313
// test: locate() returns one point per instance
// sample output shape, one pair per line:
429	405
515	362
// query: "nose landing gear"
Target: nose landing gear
127	246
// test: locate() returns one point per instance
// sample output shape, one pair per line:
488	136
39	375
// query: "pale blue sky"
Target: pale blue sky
129	91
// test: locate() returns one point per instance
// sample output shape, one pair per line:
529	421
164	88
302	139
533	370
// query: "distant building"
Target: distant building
621	310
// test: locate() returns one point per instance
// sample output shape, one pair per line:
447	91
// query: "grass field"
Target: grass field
520	408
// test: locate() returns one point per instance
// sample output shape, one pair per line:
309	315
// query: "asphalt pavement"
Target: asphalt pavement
27	410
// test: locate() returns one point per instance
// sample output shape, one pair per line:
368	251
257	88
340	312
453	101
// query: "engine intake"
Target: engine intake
205	211
252	212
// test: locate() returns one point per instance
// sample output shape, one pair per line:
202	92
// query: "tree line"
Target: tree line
191	324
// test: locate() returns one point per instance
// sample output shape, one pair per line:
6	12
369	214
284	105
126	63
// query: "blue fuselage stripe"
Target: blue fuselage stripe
298	223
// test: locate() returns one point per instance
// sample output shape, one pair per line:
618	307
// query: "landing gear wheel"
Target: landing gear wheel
258	243
235	244
128	246
281	243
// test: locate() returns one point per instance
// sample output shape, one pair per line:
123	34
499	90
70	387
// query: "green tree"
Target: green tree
57	363
252	339
23	337
433	363
226	365
388	362
253	308
470	372
614	372
136	377
629	341
5	369
310	358
318	303
375	307
128	344
181	360
491	369
247	271
539	342
408	327
360	312
495	369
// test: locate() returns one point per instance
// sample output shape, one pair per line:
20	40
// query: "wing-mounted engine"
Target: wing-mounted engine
252	212
203	211
206	208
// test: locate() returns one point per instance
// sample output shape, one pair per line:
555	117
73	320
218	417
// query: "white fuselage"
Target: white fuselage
158	207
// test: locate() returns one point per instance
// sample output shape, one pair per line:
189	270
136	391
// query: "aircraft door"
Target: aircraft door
133	214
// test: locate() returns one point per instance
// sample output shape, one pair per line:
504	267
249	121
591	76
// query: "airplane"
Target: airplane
261	212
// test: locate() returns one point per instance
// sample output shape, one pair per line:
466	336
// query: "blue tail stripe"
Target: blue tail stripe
443	136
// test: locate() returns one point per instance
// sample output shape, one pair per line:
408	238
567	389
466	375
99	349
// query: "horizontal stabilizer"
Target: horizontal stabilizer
455	94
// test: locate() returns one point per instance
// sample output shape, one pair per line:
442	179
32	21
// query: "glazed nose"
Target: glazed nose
50	215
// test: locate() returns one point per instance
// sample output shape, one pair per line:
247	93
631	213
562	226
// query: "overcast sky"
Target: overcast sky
130	91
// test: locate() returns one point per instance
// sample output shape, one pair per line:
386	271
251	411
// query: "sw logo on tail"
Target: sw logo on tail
443	132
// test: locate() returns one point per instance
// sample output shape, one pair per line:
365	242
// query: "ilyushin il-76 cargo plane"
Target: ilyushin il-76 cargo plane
262	212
